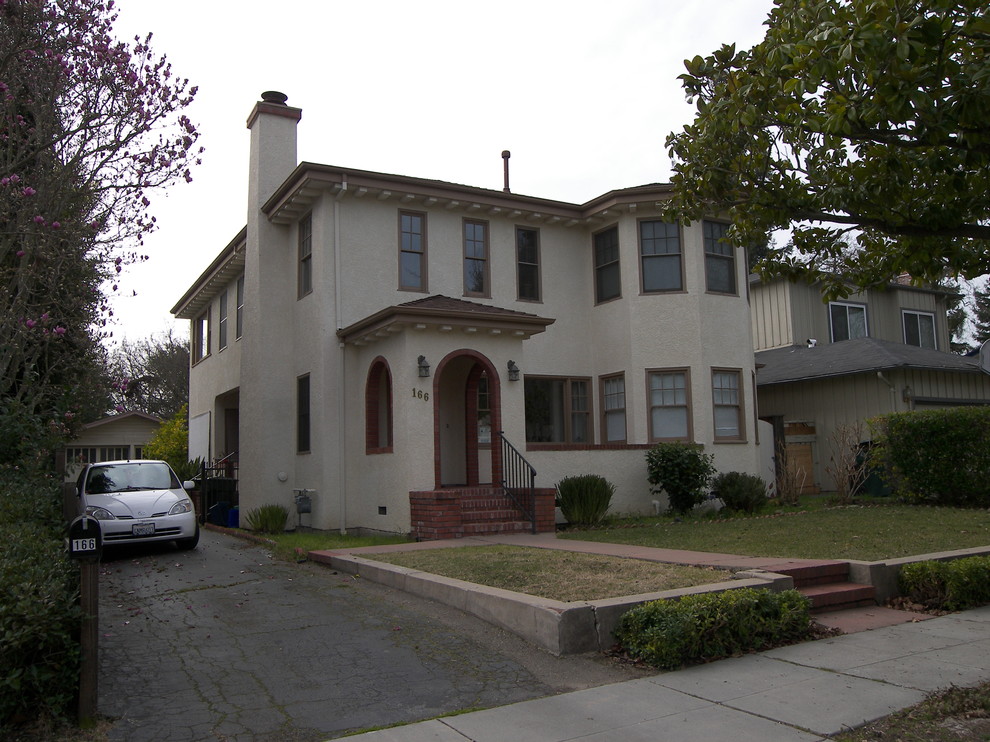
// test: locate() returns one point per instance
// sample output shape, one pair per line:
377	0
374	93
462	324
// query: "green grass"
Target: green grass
811	531
294	544
953	715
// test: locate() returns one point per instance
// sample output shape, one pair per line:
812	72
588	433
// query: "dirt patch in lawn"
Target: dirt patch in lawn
557	575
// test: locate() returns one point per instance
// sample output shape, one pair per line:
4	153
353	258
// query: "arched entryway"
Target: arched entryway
467	411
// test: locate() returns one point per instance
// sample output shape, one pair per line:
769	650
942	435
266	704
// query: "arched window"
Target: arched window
378	409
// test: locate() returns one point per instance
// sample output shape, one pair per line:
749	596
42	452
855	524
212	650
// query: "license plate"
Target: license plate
143	529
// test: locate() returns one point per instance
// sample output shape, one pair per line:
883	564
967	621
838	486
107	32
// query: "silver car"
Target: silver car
138	501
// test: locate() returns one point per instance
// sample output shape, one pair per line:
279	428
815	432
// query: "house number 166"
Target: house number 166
420	394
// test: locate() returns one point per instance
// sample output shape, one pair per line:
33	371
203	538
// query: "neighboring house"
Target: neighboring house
115	437
825	365
367	336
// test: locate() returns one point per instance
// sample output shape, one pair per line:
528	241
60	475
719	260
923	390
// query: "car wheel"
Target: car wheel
186	544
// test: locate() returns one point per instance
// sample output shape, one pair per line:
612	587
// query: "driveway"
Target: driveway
225	643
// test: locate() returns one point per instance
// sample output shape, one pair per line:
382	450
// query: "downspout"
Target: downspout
893	389
341	397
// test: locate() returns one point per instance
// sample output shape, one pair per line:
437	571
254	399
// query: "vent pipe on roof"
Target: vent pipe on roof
505	167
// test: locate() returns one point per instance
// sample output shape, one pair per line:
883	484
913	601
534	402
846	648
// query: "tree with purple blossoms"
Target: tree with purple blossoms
90	128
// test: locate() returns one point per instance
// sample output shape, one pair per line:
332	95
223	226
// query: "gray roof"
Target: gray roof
799	362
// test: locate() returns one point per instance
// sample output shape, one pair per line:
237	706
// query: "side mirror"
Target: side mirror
189	485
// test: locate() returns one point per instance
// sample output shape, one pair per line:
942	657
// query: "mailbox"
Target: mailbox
85	538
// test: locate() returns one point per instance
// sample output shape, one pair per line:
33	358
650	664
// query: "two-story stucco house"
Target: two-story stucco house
823	365
367	338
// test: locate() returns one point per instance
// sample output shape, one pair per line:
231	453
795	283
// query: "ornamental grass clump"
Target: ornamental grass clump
585	499
267	519
669	634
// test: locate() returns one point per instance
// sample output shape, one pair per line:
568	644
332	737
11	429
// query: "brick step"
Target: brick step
838	596
808	575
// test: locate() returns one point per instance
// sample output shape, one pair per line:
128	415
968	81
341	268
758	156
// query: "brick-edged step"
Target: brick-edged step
827	585
839	596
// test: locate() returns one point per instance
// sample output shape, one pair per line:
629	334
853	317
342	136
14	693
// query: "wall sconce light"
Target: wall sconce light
424	366
513	371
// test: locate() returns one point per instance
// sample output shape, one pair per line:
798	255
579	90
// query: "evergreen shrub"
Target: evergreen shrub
951	585
939	457
682	470
669	634
744	493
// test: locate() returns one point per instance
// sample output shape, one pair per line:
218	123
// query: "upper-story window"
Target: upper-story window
476	258
412	251
660	256
528	263
201	337
607	285
223	321
305	255
614	409
720	259
239	321
848	321
919	329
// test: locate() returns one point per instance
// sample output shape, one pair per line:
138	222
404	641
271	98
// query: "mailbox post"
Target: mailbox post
86	545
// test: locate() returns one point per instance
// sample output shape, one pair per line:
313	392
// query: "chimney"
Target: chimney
505	167
273	145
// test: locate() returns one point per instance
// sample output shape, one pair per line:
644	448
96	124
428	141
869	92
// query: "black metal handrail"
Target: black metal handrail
518	478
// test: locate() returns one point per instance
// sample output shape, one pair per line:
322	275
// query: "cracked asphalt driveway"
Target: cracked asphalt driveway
225	643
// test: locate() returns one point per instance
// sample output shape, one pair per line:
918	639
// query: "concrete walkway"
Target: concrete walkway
804	692
886	661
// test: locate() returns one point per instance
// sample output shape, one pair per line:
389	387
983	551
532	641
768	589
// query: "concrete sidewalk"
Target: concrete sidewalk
804	692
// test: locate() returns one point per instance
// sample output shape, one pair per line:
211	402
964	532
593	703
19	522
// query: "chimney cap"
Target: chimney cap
273	96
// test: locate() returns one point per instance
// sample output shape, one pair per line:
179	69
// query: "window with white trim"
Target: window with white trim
614	409
223	320
305	246
201	337
670	404
412	251
239	322
607	281
720	259
660	256
475	258
919	329
528	263
847	321
727	404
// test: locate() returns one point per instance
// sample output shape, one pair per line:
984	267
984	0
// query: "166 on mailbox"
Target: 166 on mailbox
85	538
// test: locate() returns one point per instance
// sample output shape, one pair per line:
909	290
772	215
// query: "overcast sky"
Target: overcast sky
582	93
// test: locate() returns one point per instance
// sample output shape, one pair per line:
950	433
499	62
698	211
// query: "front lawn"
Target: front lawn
557	575
868	532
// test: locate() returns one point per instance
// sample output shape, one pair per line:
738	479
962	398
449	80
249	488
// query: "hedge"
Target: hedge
708	626
937	457
951	585
39	613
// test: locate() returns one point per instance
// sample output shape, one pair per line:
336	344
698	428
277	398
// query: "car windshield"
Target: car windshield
130	477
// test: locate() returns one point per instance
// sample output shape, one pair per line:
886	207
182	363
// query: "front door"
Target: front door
468	415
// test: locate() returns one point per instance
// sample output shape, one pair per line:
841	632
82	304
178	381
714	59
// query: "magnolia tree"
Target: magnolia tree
90	128
866	119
